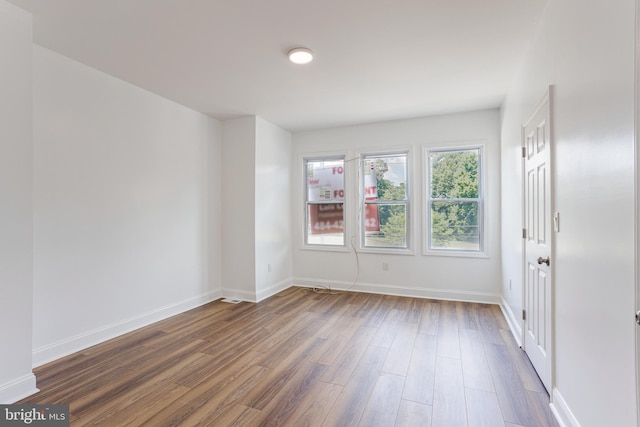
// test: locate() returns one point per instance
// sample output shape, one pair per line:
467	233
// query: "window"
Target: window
385	201
324	201
455	204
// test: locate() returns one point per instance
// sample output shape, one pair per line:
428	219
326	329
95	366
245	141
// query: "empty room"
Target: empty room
322	213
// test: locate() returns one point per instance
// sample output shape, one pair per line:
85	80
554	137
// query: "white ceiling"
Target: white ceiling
374	59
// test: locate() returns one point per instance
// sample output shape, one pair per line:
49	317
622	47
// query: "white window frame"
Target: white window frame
481	200
305	205
399	151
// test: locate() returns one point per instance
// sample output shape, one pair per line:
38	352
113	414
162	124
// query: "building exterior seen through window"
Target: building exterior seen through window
325	196
454	201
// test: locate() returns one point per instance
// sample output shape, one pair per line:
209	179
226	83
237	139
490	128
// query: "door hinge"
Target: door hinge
524	233
524	151
524	314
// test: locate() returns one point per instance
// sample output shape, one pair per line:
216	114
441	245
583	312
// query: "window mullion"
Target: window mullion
440	199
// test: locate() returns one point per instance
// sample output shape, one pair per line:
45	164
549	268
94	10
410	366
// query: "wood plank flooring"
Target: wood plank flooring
306	359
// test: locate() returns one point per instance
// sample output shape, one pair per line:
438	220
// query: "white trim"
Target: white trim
255	297
326	248
18	389
483	166
455	254
405	291
87	339
238	294
561	411
274	289
301	220
512	321
412	179
386	251
636	207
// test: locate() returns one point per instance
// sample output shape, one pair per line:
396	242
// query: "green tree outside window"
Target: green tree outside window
455	200
389	202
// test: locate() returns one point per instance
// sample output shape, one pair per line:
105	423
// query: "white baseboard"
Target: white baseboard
237	294
512	321
65	347
256	296
405	291
272	290
561	411
18	389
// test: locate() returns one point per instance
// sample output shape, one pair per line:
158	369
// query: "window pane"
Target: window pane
325	194
325	222
455	226
392	227
385	178
325	180
454	174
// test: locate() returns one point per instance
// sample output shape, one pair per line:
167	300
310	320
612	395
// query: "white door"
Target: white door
536	136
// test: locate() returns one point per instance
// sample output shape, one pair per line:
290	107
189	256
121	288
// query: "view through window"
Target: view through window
385	201
455	200
325	195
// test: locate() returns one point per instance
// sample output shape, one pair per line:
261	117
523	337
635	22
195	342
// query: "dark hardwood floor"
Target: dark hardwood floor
306	359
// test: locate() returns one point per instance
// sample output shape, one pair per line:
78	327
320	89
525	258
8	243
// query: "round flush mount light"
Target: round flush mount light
300	55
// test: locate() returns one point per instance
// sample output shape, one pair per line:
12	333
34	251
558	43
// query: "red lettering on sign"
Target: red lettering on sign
371	218
326	218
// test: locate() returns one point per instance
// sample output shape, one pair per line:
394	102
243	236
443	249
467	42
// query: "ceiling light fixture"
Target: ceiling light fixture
300	55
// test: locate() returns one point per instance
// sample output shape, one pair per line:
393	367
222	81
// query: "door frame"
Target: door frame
548	97
636	171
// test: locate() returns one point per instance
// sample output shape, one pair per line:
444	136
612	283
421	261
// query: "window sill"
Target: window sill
386	251
457	254
325	248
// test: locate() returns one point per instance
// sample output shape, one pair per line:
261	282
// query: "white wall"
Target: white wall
238	208
516	109
121	226
16	261
214	209
473	279
272	209
586	51
256	208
